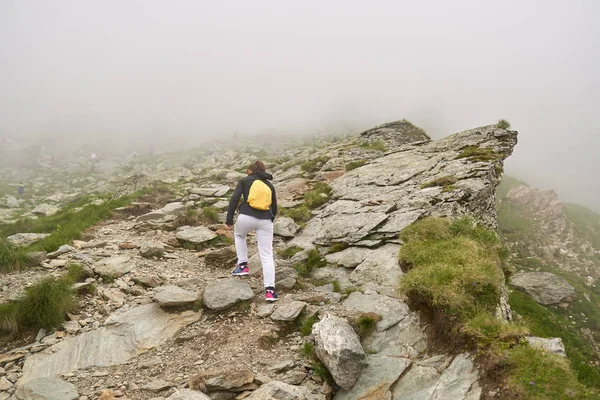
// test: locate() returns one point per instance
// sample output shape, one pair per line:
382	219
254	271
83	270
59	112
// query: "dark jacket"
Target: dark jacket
242	189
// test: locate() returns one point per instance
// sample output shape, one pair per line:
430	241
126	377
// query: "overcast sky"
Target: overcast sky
196	68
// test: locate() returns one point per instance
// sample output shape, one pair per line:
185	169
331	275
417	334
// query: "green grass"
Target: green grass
355	164
307	324
314	165
308	351
366	323
11	259
211	213
300	215
336	286
503	124
318	196
377	145
443	181
337	247
506	185
585	222
477	153
289	252
313	261
44	305
190	218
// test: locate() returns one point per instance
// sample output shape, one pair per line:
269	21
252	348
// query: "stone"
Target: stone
5	384
114	266
174	296
151	249
288	312
378	377
391	310
264	310
544	287
417	383
459	381
550	345
94	244
12	202
227	379
195	235
148	281
226	294
339	349
379	266
25	239
285	227
72	327
211	191
405	339
171	209
35	258
45	209
46	388
277	390
221	258
125	335
157	385
64	249
187	394
285	277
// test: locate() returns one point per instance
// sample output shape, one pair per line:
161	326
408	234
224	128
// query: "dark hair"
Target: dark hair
257	166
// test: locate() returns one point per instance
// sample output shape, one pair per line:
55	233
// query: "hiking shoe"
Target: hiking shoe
270	295
241	270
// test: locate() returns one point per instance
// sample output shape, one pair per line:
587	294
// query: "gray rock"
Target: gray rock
285	227
544	287
288	312
264	310
285	277
114	266
171	209
47	388
72	327
187	394
124	336
222	258
226	294
157	385
35	258
151	249
174	296
459	381
45	209
418	383
25	239
211	191
551	345
12	202
227	379
404	339
276	390
376	380
391	310
379	266
5	384
64	249
339	349
196	235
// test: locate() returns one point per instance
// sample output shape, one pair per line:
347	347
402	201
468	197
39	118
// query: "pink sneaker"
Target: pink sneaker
241	270
270	295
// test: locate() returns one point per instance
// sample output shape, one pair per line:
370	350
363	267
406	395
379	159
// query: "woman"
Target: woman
257	212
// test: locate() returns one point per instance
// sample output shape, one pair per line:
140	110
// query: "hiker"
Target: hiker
21	190
256	213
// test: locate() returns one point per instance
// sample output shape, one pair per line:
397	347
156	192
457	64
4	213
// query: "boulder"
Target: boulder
35	258
550	345
114	266
227	379
125	335
544	287
151	249
12	202
174	296
222	258
187	394
276	390
339	349
286	277
25	239
195	235
391	310
45	210
64	249
47	388
264	310
285	227
226	294
288	312
171	209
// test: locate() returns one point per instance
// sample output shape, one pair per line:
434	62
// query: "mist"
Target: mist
136	71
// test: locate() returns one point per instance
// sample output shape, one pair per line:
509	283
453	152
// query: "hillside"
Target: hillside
390	274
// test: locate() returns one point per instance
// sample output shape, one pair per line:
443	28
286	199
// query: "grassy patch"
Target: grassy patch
336	286
444	181
314	164
477	153
190	218
313	261
585	222
11	258
503	124
366	323
289	252
355	164
307	324
377	145
211	213
318	196
300	215
308	351
337	247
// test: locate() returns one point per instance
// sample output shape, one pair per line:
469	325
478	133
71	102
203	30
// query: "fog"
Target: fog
135	71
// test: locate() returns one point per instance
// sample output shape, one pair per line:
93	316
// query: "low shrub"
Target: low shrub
377	145
11	258
503	124
289	252
314	164
300	215
318	196
355	164
477	153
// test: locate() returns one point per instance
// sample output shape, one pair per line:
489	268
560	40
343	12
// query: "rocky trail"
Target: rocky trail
167	319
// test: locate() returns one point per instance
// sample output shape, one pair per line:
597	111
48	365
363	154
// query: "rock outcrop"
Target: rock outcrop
544	287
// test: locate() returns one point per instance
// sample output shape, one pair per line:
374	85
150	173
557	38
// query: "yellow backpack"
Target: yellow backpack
259	196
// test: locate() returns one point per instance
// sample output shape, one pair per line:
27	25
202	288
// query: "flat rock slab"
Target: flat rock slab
285	227
227	379
277	390
45	209
211	191
196	235
187	394
114	266
157	385
48	388
544	287
226	294
25	239
376	380
264	310
391	310
124	336
222	258
551	345
339	349
288	312
174	296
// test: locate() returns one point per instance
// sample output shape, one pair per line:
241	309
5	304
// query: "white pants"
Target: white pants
264	236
